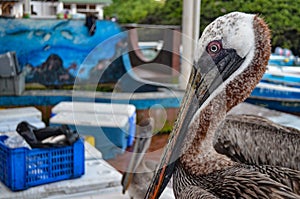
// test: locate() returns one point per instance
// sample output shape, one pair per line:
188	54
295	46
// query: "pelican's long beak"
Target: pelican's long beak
207	74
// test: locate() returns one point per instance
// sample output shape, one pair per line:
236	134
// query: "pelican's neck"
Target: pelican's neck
198	155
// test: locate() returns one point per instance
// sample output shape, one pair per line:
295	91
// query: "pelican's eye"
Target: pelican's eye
214	47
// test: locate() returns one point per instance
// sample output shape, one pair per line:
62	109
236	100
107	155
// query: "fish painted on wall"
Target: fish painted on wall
55	52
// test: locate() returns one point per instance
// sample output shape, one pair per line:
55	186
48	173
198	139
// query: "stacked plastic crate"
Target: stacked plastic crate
12	80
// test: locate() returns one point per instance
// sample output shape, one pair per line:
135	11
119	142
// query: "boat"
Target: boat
283	57
283	69
283	75
282	60
276	97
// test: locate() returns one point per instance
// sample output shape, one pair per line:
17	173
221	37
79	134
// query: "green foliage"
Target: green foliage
132	11
283	16
169	14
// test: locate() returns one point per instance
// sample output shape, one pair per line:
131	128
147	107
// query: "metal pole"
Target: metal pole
190	35
27	7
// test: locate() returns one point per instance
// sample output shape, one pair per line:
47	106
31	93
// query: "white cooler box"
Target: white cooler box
17	113
8	126
110	131
11	117
112	109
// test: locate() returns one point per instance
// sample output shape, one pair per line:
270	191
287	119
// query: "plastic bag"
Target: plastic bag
16	141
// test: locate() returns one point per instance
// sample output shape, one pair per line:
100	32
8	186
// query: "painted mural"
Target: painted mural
56	52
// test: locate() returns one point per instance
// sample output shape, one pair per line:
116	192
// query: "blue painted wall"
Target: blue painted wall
56	51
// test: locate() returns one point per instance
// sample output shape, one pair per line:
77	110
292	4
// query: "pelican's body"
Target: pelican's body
230	60
252	157
250	139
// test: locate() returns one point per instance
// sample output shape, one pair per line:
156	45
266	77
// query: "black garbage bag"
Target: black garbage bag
48	136
26	131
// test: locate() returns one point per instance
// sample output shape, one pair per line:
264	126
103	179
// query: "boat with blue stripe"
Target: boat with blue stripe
278	97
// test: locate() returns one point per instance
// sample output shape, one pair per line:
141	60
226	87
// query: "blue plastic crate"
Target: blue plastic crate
22	168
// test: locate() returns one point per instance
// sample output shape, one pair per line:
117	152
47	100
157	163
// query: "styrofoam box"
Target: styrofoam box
17	113
102	108
110	131
11	125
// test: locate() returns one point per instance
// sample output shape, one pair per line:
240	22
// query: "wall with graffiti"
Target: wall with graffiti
55	52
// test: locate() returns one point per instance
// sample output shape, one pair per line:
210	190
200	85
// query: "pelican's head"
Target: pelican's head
231	57
232	54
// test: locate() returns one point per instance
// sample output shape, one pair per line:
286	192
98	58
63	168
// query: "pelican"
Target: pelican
140	171
230	59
